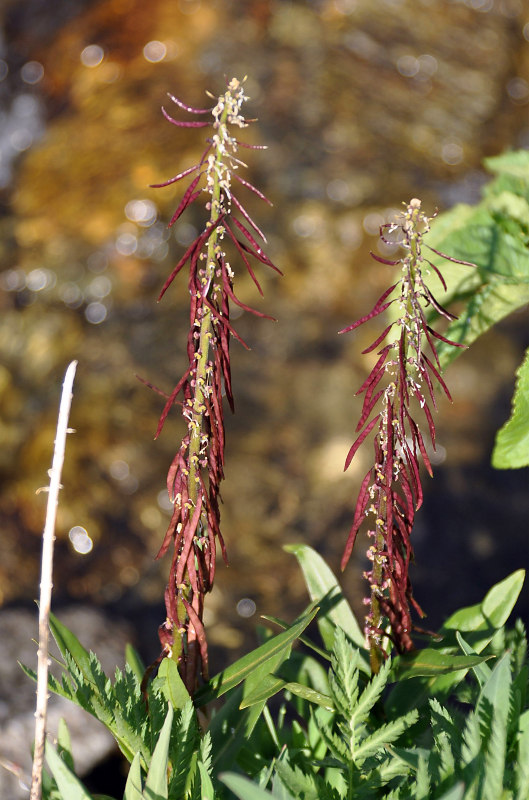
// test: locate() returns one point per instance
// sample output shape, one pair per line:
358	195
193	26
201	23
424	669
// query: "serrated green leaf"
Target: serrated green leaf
511	449
133	787
241	669
522	762
156	782
430	663
325	590
372	692
69	785
69	645
384	735
298	782
207	791
184	761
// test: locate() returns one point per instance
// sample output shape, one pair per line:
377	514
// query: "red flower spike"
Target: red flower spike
391	490
195	474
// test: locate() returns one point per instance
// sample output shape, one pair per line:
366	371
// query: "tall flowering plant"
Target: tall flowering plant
196	472
400	389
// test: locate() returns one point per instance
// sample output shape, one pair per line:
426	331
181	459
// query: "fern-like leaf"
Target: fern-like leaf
185	745
384	735
343	679
372	693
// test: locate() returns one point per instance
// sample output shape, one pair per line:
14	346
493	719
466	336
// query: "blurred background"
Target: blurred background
363	105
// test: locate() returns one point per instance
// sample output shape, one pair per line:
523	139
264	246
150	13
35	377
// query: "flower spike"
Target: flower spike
391	492
194	477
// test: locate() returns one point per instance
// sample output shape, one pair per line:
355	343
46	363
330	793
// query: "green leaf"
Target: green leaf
384	735
169	682
324	590
133	787
262	690
496	693
241	669
184	760
70	787
69	644
133	659
431	663
156	781
456	792
492	613
311	695
64	744
244	788
515	163
511	449
207	790
522	765
486	307
493	236
481	671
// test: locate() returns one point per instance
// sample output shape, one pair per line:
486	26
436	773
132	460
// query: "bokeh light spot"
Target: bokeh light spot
408	66
96	313
246	607
518	90
126	244
143	212
32	72
81	542
92	55
154	51
452	153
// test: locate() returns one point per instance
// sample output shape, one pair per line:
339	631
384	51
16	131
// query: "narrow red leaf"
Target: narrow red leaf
367	430
450	258
189	196
172	397
189	108
385	260
446	341
180	124
176	177
238	246
248	218
379	307
378	340
252	188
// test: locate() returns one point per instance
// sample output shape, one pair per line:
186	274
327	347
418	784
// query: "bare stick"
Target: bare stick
46	583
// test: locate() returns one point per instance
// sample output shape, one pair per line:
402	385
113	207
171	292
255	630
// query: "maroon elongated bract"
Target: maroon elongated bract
391	491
